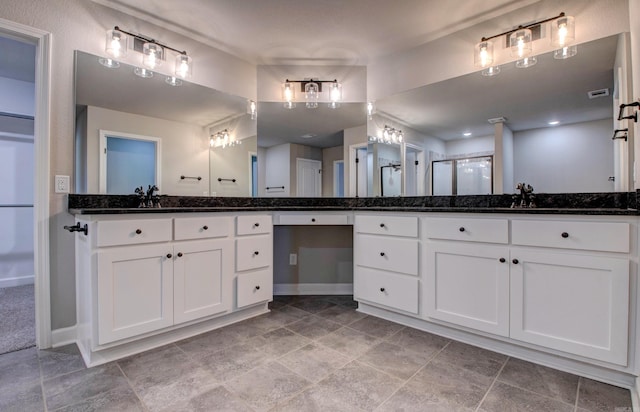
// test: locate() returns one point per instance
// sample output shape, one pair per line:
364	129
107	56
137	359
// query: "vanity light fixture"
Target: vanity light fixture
371	110
390	135
312	88
223	139
520	43
252	109
153	55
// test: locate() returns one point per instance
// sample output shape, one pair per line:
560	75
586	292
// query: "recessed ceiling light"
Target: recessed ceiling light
467	134
553	123
308	136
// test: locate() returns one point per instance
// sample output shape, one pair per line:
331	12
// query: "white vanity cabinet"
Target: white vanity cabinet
386	261
254	257
147	281
466	276
569	292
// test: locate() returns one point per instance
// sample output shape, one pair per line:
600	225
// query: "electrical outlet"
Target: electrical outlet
62	184
293	259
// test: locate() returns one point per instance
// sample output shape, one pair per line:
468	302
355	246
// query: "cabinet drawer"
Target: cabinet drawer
387	225
602	236
132	232
201	227
253	252
388	289
253	225
386	253
313	219
467	229
255	287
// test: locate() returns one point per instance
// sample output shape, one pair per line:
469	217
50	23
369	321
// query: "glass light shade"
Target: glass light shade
288	92
335	92
371	109
110	63
483	56
563	31
565	52
152	55
289	105
526	62
173	81
311	92
184	66
116	45
491	71
520	43
142	72
252	109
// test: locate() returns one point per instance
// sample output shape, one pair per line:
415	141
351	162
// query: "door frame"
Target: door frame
353	183
41	147
299	160
336	180
102	158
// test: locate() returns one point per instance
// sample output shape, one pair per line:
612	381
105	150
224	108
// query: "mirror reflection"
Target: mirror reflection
549	125
142	131
301	151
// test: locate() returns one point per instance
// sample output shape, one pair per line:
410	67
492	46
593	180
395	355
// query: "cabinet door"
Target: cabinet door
574	303
202	274
135	291
468	285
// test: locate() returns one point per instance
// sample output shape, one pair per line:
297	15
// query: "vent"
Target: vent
598	93
497	120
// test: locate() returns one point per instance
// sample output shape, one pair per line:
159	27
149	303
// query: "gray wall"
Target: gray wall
329	155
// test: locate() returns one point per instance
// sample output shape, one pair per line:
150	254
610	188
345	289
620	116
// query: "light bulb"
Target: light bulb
520	43
116	45
371	108
183	66
288	94
152	55
563	31
484	54
311	91
252	109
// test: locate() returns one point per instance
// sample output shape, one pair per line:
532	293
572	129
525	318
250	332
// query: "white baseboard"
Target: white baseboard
635	396
19	281
63	336
313	289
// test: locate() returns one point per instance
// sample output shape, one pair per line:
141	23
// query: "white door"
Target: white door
574	303
200	276
135	291
468	285
309	178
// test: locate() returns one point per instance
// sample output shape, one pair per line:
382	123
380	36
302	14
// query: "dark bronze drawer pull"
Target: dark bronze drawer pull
382	289
564	235
502	260
169	255
138	231
205	227
515	261
461	229
179	254
382	254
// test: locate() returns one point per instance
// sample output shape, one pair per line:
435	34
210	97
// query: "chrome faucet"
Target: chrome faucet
525	198
148	199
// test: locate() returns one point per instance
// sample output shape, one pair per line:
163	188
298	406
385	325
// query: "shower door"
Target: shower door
468	176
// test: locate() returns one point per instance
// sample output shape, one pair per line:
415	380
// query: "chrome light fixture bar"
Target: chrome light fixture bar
153	55
311	88
520	40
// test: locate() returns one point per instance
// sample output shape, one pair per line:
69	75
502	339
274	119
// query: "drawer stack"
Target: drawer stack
254	254
386	250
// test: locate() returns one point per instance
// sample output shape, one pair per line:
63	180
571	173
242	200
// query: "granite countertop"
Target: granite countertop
619	203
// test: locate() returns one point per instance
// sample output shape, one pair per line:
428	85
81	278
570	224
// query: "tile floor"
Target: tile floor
311	353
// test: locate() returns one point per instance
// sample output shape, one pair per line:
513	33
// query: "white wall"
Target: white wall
353	136
508	185
634	10
276	171
329	155
232	163
180	141
565	158
469	147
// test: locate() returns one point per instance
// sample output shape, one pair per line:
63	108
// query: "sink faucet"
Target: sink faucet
525	198
148	199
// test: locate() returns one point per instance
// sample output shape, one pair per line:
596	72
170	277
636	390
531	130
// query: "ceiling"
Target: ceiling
314	31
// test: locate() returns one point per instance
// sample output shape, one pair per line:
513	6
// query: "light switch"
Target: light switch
293	259
62	184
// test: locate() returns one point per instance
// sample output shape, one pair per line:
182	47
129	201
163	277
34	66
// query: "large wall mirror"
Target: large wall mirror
450	121
301	151
133	131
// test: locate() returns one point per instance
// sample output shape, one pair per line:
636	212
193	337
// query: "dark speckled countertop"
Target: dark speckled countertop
620	203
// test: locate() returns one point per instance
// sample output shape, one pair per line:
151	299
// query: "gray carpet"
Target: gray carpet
17	318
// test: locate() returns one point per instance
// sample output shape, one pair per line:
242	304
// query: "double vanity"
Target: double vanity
554	285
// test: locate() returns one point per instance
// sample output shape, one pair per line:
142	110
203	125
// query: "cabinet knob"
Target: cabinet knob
382	254
138	231
461	229
169	255
313	219
205	227
382	289
256	224
179	254
515	261
502	260
258	287
256	253
381	224
564	235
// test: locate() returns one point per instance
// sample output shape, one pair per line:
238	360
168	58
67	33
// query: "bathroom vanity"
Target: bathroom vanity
557	286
